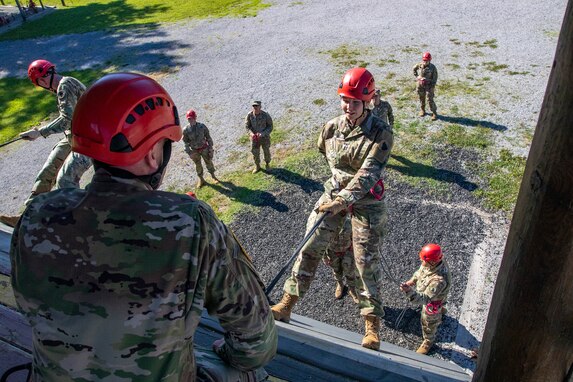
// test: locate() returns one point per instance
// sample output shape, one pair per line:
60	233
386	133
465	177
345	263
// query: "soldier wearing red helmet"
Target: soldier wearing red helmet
60	168
429	287
132	268
426	78
356	146
199	144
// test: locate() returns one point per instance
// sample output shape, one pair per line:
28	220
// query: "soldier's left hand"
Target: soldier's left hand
333	207
405	287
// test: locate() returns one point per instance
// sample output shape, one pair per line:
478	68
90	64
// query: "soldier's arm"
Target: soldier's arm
434	289
435	76
235	296
390	115
415	70
208	137
269	126
371	170
66	103
248	124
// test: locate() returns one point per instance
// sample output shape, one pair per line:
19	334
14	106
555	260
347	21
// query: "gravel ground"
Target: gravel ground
218	66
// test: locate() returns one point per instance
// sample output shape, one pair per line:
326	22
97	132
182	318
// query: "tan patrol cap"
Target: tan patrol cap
256	103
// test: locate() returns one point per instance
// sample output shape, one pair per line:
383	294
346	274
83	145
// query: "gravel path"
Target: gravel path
504	49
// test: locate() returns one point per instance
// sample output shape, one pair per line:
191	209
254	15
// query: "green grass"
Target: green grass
319	102
346	56
493	66
465	137
25	105
503	176
91	15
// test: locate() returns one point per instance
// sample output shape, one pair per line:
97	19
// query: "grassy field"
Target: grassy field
80	16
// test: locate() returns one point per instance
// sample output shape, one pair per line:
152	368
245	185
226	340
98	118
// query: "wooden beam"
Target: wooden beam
529	331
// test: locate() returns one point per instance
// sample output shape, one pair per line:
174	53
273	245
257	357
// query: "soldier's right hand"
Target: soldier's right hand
30	135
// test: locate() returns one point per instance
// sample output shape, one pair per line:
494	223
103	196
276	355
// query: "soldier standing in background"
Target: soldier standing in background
429	287
357	147
259	124
382	109
198	144
42	73
132	268
426	77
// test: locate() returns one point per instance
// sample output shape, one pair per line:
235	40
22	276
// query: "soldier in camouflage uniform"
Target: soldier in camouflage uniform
432	283
356	146
259	124
382	109
68	89
340	257
426	78
113	279
198	144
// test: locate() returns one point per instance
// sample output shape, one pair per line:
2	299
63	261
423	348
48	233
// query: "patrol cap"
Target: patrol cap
256	103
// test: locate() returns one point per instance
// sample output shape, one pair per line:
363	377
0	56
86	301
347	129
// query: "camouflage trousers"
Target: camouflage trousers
368	222
424	92
211	368
340	257
47	176
72	170
265	143
196	156
430	323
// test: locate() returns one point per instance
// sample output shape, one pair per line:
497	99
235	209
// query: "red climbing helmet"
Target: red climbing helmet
431	252
427	57
357	83
121	116
191	114
38	69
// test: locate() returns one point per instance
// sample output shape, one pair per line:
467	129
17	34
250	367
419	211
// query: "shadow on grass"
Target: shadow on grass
472	122
245	195
420	170
306	184
142	47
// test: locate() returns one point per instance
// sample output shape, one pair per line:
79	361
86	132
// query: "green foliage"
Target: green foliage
493	66
346	56
319	102
82	16
25	105
466	137
503	177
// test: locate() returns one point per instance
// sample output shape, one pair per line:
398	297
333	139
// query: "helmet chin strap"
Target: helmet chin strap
51	72
153	179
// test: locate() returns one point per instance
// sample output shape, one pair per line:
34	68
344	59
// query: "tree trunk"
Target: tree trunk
529	331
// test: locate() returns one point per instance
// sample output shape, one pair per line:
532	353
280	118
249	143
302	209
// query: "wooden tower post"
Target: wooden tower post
529	331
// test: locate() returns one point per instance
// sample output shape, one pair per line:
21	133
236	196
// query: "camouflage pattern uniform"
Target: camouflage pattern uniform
263	124
68	92
429	73
198	144
340	258
384	111
71	173
431	291
114	278
356	156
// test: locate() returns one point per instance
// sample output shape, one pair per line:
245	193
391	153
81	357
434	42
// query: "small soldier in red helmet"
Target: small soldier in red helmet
199	144
426	79
429	287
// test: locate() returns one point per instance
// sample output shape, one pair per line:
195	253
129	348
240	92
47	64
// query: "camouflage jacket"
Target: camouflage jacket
432	284
356	156
69	92
197	136
429	72
384	111
261	123
114	278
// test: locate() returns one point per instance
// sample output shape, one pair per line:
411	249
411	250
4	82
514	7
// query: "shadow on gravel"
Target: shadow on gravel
472	122
306	184
247	196
420	170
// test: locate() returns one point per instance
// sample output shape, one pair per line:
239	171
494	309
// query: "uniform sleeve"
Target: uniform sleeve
390	115
248	123
269	125
435	76
371	170
208	137
235	296
435	288
415	70
67	101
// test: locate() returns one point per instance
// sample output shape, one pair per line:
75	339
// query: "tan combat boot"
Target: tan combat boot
434	116
9	220
340	291
425	347
282	310
215	179
200	182
352	292
371	338
422	112
256	169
